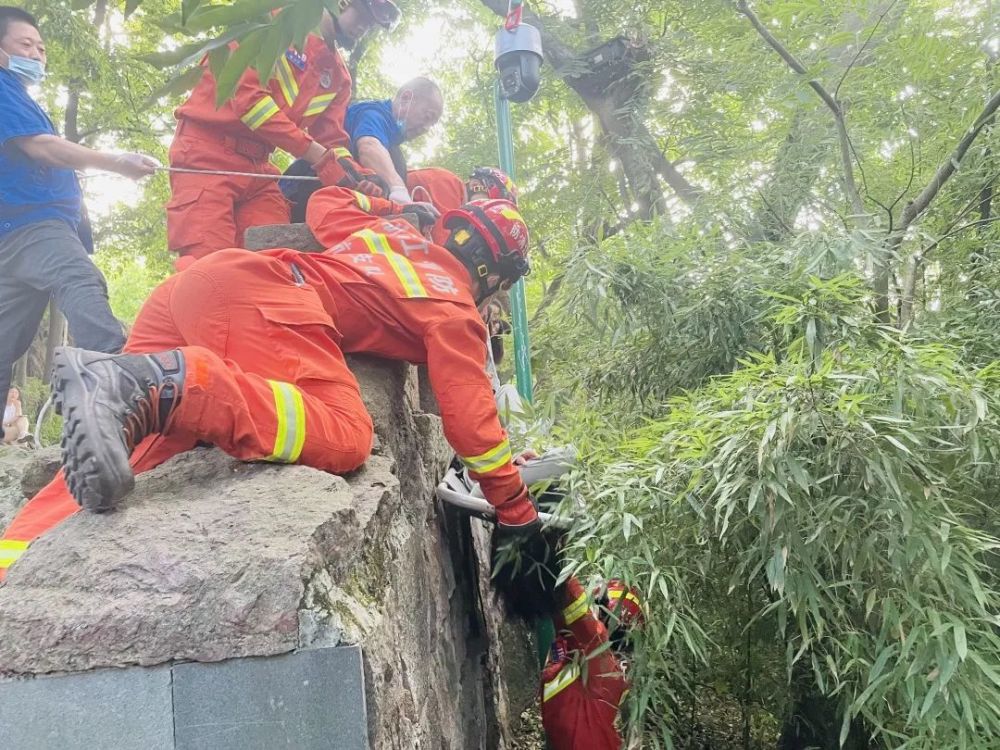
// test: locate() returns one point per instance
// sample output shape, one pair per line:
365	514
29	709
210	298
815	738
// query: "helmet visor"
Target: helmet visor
386	13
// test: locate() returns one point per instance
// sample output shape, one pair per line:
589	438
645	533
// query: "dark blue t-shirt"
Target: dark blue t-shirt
30	192
373	119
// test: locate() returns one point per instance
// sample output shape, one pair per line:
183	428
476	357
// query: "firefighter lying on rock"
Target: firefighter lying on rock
246	351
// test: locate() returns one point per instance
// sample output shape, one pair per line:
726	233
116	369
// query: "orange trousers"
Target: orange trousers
265	379
211	212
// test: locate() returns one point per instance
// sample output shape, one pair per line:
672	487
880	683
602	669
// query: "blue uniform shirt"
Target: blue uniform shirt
373	119
30	192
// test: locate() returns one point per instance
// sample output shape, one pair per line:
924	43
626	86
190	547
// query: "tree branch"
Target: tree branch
950	164
862	48
620	123
850	186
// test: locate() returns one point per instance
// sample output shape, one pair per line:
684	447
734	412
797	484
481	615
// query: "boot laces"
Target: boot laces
144	418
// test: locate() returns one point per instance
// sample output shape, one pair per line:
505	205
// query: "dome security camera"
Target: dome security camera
518	59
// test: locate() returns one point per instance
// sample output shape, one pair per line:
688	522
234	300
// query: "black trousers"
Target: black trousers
44	260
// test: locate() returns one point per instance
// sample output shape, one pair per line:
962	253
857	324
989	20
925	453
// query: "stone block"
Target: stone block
293	236
309	700
108	709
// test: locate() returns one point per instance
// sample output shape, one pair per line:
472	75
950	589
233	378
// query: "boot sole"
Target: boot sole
96	465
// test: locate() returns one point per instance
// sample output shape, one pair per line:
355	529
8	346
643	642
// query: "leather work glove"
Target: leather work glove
338	167
426	214
517	518
370	184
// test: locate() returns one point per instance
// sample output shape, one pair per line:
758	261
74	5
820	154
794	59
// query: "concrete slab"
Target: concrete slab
108	709
309	700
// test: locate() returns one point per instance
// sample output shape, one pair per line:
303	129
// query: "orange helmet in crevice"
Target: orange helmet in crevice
490	237
493	182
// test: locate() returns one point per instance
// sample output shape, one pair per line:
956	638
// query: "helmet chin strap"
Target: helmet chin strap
475	256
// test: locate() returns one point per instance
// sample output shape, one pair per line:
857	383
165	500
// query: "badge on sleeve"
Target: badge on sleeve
326	79
296	58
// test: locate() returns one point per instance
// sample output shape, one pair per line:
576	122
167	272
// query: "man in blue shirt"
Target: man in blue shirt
41	254
377	128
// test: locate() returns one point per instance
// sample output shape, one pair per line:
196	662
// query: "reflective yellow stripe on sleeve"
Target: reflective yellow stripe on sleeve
363	202
286	81
566	677
291	414
576	610
340	152
318	104
491	460
401	266
10	551
260	113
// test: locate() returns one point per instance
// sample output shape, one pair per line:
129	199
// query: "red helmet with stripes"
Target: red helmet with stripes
620	610
493	182
491	238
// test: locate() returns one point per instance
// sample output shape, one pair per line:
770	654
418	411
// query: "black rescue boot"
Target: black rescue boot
109	402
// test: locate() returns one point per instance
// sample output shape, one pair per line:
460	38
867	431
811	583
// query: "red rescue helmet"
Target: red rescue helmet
620	610
492	181
385	12
490	237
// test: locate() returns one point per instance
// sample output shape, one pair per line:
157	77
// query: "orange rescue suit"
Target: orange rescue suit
305	101
263	336
445	190
582	684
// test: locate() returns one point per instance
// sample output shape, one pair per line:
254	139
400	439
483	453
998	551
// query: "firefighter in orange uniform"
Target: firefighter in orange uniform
583	682
445	190
285	394
300	110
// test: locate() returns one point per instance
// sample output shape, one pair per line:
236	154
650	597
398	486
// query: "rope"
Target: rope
41	418
226	173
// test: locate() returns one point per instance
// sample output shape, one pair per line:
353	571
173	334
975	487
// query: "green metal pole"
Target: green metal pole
545	631
518	308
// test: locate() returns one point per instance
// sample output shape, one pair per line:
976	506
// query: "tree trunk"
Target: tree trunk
619	109
21	371
56	337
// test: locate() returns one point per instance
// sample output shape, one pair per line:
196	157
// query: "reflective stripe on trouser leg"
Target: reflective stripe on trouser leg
10	551
566	677
291	416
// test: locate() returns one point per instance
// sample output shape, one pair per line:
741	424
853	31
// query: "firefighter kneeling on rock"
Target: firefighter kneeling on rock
246	351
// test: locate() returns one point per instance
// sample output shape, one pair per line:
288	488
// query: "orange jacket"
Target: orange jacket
446	192
310	92
395	294
581	691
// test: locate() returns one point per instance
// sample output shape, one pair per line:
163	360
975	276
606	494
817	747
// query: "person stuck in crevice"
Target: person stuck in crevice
583	682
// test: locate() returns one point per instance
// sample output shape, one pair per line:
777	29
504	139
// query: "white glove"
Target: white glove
400	195
135	165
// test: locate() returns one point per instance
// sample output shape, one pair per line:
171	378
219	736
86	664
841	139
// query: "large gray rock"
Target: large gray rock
23	471
292	236
211	558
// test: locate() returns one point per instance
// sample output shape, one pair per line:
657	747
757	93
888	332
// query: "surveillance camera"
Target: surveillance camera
519	60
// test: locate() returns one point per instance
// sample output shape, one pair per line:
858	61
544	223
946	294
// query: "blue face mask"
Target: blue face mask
28	70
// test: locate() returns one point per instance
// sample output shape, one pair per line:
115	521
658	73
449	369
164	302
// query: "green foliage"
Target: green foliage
843	483
805	495
34	394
